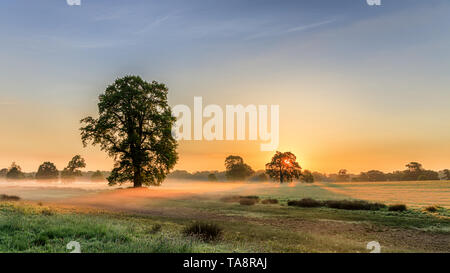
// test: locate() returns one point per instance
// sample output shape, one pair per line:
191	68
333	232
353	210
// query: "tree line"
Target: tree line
284	168
48	171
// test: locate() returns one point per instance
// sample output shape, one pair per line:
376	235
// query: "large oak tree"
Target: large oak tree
134	126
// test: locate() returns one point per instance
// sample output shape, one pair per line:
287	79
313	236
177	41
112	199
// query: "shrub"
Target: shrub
431	208
248	201
203	231
4	197
269	201
238	198
251	197
337	204
353	205
397	207
156	228
306	203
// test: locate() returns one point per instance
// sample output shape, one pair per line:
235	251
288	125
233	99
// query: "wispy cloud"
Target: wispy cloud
310	26
276	32
155	23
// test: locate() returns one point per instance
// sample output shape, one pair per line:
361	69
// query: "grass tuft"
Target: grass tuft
432	208
397	207
47	212
203	231
248	201
337	204
269	201
156	228
306	203
4	197
353	205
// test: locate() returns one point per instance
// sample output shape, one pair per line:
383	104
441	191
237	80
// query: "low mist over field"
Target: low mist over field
412	193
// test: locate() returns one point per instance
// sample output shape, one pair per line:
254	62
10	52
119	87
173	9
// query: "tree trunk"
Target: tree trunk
137	179
281	175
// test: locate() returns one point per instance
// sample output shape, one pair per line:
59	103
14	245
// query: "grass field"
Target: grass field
123	220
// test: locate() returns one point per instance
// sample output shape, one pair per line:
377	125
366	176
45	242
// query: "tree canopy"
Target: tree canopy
72	169
3	172
212	177
236	169
135	128
47	170
307	177
446	174
15	172
283	167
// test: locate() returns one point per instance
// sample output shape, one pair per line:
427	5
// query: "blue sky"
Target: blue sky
322	61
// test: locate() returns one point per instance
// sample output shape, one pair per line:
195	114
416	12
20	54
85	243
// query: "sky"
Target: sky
359	87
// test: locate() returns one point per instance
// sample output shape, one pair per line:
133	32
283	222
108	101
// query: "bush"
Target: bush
251	197
238	198
306	203
337	204
431	208
353	205
4	197
203	231
156	228
269	201
248	201
397	207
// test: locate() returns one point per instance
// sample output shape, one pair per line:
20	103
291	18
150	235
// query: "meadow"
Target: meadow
121	219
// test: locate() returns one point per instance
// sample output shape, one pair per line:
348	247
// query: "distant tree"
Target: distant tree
135	128
180	174
343	175
414	167
446	174
15	172
319	177
236	169
97	176
212	177
428	175
283	167
259	176
72	169
396	176
414	172
307	177
372	175
3	172
47	170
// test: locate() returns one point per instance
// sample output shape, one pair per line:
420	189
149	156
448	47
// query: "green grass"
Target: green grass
25	228
29	227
